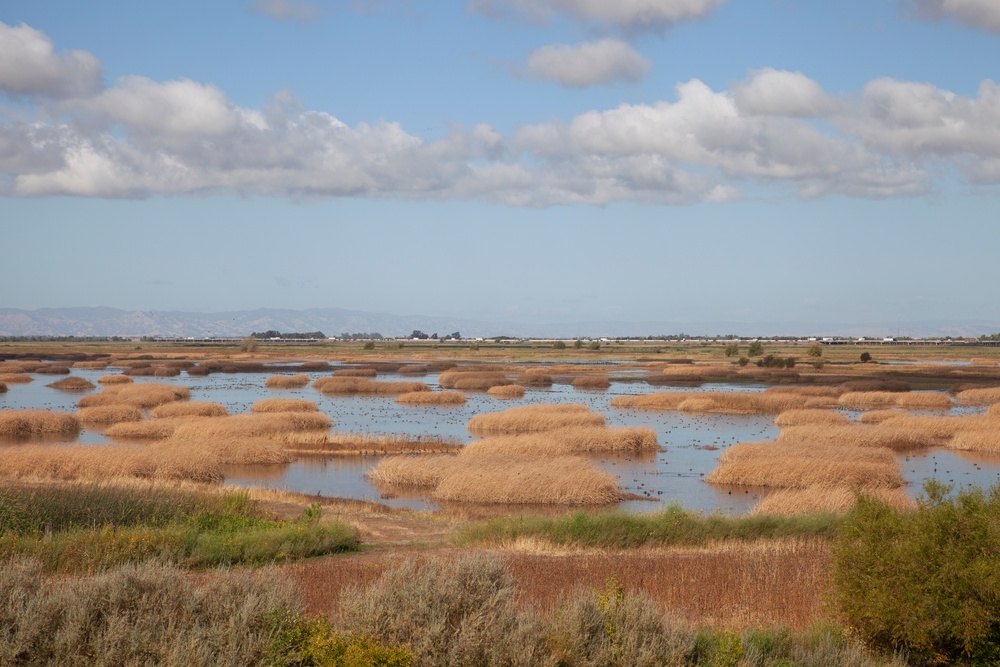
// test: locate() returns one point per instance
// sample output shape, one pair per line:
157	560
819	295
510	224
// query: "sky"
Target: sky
505	160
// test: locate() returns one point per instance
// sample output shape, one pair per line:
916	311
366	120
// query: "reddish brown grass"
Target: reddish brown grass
472	380
73	383
91	365
353	385
189	409
16	378
431	398
787	502
867	400
591	382
142	395
114	379
355	372
52	369
534	377
533	419
567	440
879	416
110	414
506	391
19	423
253	425
287	381
367	444
722	402
284	405
983	396
803	416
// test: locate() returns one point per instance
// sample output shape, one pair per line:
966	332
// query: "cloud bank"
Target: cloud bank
630	16
777	130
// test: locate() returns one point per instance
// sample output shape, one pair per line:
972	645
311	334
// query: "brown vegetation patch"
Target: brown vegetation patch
431	398
91	365
166	372
803	416
16	378
873	384
804	472
287	381
110	414
788	502
353	385
472	380
867	400
534	377
189	409
367	444
534	418
355	372
52	369
73	383
114	379
879	416
284	405
982	396
859	435
147	429
142	395
566	440
596	382
253	425
506	391
725	402
19	423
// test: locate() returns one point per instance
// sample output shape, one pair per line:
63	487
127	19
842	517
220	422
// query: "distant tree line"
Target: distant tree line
420	335
361	335
264	335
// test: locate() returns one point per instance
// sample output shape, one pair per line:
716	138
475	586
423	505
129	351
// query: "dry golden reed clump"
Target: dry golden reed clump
413	369
778	451
472	380
16	378
253	425
166	372
21	423
147	429
106	462
114	379
788	502
983	396
353	385
867	400
287	381
591	382
355	372
91	365
284	405
856	435
879	416
431	398
533	419
873	384
567	440
72	383
987	441
725	402
805	390
16	367
366	444
52	369
189	409
804	472
110	414
982	361
506	391
801	416
504	479
534	377
142	395
993	411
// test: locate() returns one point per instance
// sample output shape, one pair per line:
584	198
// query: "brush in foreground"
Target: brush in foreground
73	383
354	385
506	391
287	381
19	423
566	440
816	499
189	409
431	398
141	395
508	480
534	418
284	405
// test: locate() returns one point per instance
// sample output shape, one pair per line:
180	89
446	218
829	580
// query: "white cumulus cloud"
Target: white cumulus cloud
592	63
628	15
782	93
983	14
30	66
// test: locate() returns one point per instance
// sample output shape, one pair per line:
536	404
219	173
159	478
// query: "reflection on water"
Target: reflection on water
691	443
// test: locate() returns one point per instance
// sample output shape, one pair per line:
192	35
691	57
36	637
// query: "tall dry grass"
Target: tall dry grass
52	369
252	425
16	378
534	377
789	502
802	416
284	405
355	372
982	361
776	452
723	402
431	398
805	390
73	383
879	416
506	391
92	365
146	429
982	396
512	480
801	473
353	385
296	381
533	419
472	380
114	379
869	400
189	409
142	395
367	444
566	440
859	435
596	382
110	414
166	372
20	423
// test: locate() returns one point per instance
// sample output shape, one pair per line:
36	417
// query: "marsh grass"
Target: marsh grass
567	440
593	382
296	381
506	391
790	502
268	405
19	423
879	416
251	425
367	444
981	396
114	379
472	380
143	430
885	434
533	419
723	402
868	400
110	414
189	409
356	372
801	417
431	398
142	395
347	386
534	377
52	369
73	383
16	378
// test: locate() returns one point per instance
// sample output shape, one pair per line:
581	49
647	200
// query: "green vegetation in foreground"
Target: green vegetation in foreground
928	581
89	528
673	526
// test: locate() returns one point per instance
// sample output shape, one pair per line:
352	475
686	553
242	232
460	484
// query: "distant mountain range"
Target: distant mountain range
102	321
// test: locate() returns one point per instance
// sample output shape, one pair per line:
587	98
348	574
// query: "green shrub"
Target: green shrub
815	350
928	581
866	357
755	349
558	345
312	642
370	345
743	361
594	345
732	350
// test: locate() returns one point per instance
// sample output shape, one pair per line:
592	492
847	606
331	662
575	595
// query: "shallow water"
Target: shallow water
690	443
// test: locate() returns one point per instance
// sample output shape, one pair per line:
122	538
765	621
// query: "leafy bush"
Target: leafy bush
558	345
815	350
927	581
312	642
732	349
866	357
370	345
755	349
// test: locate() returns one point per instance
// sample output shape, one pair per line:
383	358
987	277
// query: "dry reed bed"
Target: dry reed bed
52	369
982	396
147	429
472	380
352	385
284	405
784	451
431	398
566	440
16	378
507	480
114	379
534	419
722	402
804	472
986	441
355	372
534	377
107	462
189	409
19	423
92	365
802	416
788	502
982	361
867	400
879	416
287	381
110	414
73	383
859	435
596	382
194	427
506	391
143	395
367	444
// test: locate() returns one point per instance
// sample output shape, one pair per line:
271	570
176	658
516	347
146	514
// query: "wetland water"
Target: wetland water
691	443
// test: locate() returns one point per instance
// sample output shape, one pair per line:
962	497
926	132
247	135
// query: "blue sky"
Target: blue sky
510	160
